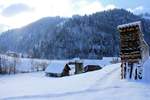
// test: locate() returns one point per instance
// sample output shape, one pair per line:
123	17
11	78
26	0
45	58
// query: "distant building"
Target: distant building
12	54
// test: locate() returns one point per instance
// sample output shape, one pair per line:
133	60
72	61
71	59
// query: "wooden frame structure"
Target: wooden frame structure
134	51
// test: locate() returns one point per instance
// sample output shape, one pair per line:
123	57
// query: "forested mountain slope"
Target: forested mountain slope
89	36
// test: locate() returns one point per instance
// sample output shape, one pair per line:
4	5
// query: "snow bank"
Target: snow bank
147	71
104	62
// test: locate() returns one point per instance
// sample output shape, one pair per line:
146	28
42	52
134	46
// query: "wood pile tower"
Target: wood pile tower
134	51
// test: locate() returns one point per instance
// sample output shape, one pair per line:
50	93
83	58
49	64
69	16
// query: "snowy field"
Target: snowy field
25	65
104	84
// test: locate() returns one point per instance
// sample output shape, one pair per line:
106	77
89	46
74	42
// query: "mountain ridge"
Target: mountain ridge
78	36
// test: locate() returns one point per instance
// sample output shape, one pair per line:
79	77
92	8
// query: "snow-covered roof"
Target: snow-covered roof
56	67
130	24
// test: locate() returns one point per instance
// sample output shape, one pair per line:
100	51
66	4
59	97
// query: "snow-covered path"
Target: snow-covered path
104	84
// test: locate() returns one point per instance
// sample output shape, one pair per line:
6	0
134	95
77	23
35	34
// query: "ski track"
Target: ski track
104	78
90	89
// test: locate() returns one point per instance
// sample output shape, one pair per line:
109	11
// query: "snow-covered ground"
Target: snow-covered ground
104	84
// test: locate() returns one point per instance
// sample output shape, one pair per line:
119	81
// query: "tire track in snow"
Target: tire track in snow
104	78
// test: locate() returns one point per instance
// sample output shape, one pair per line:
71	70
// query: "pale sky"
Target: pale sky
17	13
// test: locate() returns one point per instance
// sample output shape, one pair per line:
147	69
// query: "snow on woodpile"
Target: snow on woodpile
130	24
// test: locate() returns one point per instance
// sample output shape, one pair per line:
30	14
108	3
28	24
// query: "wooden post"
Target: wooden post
78	67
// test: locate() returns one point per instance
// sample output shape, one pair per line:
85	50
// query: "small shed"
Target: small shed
57	69
89	68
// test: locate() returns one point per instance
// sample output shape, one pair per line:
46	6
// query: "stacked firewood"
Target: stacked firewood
131	50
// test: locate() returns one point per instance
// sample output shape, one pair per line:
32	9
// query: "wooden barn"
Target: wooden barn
57	69
134	51
64	68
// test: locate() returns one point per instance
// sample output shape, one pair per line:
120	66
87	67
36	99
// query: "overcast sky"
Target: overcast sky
17	13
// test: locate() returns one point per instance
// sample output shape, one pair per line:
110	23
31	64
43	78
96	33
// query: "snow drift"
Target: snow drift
147	71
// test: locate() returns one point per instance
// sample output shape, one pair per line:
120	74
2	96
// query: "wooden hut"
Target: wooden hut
134	51
57	69
64	68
